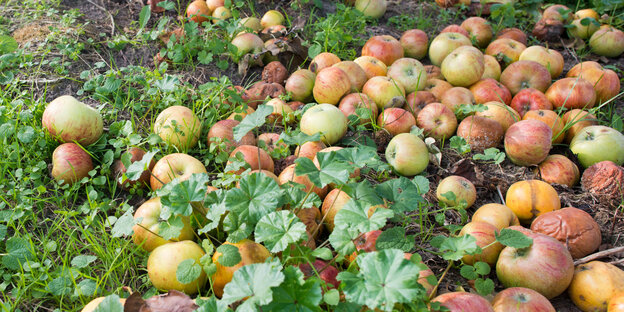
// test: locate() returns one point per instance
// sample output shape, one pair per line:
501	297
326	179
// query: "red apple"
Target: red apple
550	118
437	120
481	133
484	233
70	120
457	96
571	93
456	29
528	142
463	189
300	85
322	61
356	74
530	99
396	120
365	243
577	69
415	101
309	149
525	74
513	33
331	85
325	119
549	58
372	66
520	299
272	18
491	68
409	73
437	87
70	163
384	48
256	157
415	43
505	50
444	44
325	271
463	66
172	166
479	29
136	154
333	202
607	41
407	154
163	262
463	302
500	113
223	131
560	170
350	103
606	82
198	11
385	91
546	266
288	174
450	3
488	90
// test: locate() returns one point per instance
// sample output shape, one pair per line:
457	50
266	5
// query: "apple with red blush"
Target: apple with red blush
530	99
437	120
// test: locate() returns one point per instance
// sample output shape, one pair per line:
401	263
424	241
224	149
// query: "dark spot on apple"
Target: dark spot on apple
522	298
581	297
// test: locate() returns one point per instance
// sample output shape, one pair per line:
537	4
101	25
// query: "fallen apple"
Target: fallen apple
463	190
330	85
594	144
409	73
385	92
415	43
520	299
146	230
172	166
384	48
325	119
396	120
444	44
70	163
300	85
70	120
163	263
437	120
250	252
178	126
407	154
528	142
463	66
322	61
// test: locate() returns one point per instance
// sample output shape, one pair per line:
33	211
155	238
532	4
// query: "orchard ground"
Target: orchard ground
99	51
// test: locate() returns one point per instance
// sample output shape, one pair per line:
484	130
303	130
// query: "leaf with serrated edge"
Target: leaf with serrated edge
295	293
513	238
252	121
253	282
278	229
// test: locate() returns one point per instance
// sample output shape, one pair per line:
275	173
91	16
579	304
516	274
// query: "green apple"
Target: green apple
407	154
163	263
598	143
178	126
325	119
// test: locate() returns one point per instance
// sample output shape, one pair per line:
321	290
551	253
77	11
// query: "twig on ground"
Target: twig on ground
600	254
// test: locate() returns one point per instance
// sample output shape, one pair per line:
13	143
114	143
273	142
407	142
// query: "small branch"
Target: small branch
37	81
599	255
500	194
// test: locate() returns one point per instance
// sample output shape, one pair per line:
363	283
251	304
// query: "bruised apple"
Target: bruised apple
525	74
594	283
415	43
571	93
560	170
528	142
163	263
505	50
481	133
361	105
322	61
356	74
223	131
250	252
531	198
300	85
462	189
148	225
488	90
371	66
385	92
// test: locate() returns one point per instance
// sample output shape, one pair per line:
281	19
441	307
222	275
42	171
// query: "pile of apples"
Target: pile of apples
524	105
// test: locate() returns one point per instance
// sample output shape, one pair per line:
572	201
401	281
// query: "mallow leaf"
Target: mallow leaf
355	214
254	283
331	169
136	169
278	229
385	279
178	196
252	121
401	194
257	196
295	293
